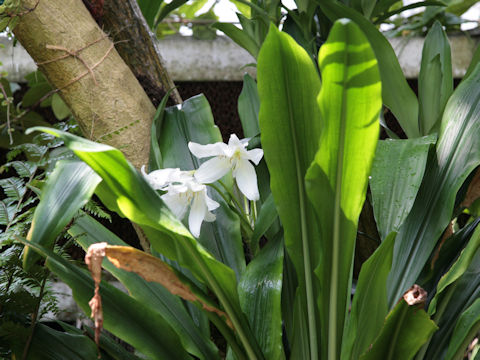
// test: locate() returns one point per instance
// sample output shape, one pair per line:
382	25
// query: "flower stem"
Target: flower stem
243	217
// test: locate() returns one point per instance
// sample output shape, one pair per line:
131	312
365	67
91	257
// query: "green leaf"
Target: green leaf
457	155
248	107
266	218
435	81
124	316
473	63
350	104
396	93
244	9
68	188
456	291
193	121
288	84
124	190
167	9
87	231
50	344
364	325
13	187
445	256
241	37
59	108
155	156
465	330
260	290
150	9
459	267
397	173
35	93
406	329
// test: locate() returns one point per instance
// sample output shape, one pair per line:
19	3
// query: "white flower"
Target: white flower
233	156
183	191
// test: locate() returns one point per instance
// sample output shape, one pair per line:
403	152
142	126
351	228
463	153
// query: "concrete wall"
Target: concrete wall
188	59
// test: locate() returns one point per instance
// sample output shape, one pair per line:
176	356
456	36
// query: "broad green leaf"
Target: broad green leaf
466	329
260	290
399	9
445	256
150	9
167	9
108	345
396	93
367	7
457	155
266	218
59	108
124	316
244	9
397	173
87	231
450	302
241	37
383	6
124	190
458	7
350	104
36	93
155	156
369	307
248	107
193	121
460	266
288	85
406	329
50	344
473	63
68	188
435	81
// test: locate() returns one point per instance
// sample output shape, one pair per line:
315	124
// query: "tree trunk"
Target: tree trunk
81	62
123	21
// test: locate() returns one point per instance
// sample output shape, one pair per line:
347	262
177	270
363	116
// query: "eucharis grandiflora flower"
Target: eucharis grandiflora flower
232	156
183	191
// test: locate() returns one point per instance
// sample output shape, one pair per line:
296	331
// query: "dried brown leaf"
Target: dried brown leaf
93	259
148	267
415	295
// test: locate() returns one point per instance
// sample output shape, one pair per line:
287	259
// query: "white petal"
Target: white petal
235	141
178	204
196	186
255	155
202	151
211	204
246	179
212	170
159	178
197	214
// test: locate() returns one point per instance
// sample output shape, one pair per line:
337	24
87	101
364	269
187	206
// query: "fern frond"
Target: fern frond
7	212
24	169
95	209
23	219
13	187
12	154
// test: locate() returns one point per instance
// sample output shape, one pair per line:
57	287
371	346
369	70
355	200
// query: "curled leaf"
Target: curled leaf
93	258
415	295
148	267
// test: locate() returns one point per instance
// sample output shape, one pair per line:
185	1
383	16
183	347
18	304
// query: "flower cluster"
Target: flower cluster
186	189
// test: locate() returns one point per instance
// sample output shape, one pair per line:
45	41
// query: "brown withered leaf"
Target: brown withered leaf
153	269
93	259
415	295
473	191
